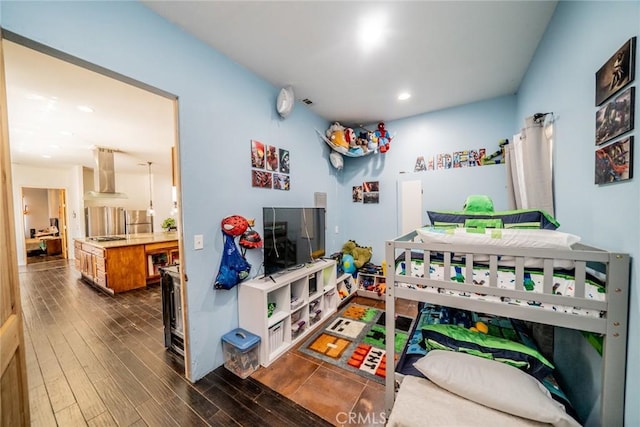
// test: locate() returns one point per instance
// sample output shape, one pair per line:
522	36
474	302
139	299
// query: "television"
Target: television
292	237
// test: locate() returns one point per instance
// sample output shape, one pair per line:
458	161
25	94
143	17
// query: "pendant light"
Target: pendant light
150	210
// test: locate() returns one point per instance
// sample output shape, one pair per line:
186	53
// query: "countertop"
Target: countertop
133	239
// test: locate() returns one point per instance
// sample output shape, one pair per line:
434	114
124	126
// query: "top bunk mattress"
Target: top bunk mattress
533	281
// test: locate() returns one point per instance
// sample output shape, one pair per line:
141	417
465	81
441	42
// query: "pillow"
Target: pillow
478	203
545	239
523	218
459	339
493	384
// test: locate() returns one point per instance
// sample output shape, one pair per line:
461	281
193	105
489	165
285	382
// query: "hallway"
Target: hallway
99	360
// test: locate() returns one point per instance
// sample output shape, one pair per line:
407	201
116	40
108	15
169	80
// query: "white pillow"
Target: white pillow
493	384
503	237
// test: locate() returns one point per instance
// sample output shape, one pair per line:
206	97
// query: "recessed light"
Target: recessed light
46	156
54	146
85	108
404	96
35	97
372	30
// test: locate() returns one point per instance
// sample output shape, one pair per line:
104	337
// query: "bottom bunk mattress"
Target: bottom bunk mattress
496	326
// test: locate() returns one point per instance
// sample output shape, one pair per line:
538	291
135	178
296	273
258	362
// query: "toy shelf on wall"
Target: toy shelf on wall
341	149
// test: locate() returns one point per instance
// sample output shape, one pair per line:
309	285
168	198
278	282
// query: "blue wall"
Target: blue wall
580	38
222	107
471	126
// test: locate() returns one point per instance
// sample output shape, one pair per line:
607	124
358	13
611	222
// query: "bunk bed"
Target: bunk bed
447	274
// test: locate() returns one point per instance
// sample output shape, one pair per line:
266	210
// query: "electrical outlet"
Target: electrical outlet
337	230
198	242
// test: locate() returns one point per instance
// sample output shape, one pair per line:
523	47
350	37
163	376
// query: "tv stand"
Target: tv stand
303	299
296	267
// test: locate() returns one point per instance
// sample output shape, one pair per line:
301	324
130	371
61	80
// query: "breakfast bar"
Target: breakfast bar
116	264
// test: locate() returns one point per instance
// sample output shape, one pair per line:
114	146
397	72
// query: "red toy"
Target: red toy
383	137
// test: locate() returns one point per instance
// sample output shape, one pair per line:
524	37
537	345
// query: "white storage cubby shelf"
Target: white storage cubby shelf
303	298
346	287
371	286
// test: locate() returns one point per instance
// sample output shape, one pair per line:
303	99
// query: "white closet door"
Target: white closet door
409	206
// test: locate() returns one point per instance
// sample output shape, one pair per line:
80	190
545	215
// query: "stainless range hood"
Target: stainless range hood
104	177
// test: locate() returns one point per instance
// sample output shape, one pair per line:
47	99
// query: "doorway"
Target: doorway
55	126
44	224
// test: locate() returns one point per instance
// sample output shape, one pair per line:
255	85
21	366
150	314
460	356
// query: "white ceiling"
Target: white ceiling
46	128
445	53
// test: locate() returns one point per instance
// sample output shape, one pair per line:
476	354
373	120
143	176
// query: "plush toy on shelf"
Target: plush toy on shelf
360	254
383	138
336	135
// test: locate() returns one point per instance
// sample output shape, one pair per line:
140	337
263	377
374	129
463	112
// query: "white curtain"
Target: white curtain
528	158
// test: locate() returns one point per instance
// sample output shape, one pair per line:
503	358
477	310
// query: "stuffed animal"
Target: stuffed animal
350	137
348	264
383	138
361	255
336	135
363	141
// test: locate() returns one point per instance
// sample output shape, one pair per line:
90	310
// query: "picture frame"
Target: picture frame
614	162
617	72
615	117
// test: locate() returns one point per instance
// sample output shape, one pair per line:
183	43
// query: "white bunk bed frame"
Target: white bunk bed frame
613	323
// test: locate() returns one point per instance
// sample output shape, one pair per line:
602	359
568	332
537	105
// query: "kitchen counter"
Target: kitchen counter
121	265
132	239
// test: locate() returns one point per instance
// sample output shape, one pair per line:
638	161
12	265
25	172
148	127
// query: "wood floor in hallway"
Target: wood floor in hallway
99	360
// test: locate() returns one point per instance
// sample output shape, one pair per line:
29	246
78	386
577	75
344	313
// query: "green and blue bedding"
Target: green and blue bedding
563	283
507	340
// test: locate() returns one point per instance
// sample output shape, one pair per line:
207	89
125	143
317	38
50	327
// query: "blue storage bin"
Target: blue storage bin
241	352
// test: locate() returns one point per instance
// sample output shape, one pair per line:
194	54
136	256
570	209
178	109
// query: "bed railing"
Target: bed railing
612	322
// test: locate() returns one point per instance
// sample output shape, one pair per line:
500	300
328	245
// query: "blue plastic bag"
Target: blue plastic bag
234	268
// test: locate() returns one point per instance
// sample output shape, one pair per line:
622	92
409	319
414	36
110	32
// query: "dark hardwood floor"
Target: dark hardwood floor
99	360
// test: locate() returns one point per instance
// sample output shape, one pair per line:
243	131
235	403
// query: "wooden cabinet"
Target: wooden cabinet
159	255
122	268
283	308
88	259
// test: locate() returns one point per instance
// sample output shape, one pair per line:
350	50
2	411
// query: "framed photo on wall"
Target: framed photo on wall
615	117
614	162
616	72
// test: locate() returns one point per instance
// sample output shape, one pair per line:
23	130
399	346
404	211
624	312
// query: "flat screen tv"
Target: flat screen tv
292	237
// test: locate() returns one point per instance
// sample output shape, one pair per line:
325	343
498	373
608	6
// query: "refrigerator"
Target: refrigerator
104	221
138	221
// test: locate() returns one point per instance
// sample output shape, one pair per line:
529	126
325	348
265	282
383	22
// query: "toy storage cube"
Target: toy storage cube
241	352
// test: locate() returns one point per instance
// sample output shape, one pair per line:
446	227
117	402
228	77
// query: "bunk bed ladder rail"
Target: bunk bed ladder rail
614	351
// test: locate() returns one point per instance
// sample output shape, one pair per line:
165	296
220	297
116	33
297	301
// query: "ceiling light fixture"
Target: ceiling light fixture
150	210
85	108
371	31
404	96
46	156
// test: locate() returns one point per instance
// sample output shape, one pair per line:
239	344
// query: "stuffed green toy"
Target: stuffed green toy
361	255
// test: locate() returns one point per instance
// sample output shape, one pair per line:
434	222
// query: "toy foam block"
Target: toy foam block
355	362
329	345
357	356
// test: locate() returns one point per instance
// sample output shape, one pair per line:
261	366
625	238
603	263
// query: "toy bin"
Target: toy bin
241	352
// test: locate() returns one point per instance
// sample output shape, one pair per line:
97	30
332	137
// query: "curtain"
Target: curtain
528	159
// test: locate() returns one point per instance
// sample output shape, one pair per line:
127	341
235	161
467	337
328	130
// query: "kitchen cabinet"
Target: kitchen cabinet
160	255
123	265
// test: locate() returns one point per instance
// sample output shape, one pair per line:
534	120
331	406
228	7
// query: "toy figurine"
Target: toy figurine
383	138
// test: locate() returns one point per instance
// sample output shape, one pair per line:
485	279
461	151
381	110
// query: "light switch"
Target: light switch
198	241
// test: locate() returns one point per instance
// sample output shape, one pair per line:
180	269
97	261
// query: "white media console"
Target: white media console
285	307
